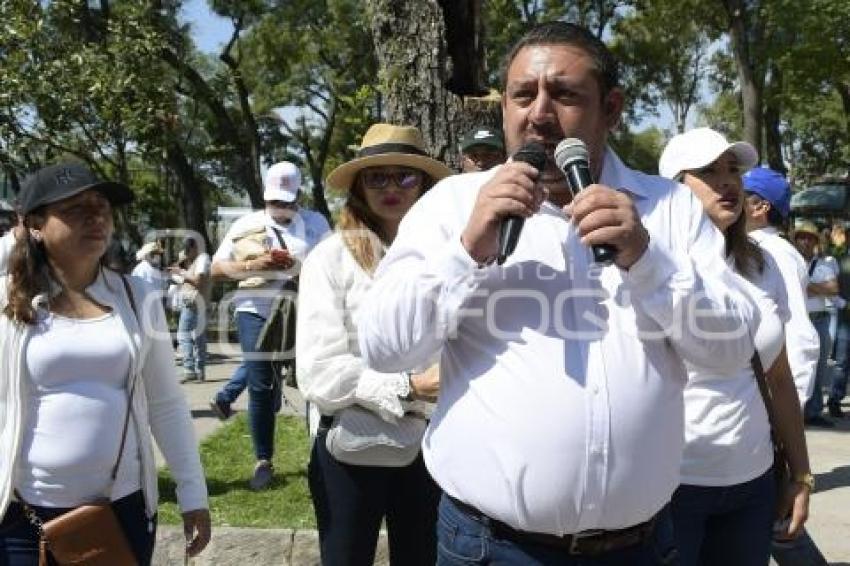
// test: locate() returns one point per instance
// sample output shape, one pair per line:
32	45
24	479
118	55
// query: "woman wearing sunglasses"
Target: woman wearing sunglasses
366	465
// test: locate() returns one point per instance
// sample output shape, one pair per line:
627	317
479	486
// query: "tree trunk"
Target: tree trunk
772	114
751	79
191	195
844	92
415	71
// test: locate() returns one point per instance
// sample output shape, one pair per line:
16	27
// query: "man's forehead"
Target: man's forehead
555	61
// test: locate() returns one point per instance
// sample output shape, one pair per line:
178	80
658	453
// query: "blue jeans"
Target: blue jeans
234	386
814	406
463	539
842	357
728	525
192	340
19	539
262	386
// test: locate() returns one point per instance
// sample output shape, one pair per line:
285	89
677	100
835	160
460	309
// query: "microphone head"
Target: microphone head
532	153
569	151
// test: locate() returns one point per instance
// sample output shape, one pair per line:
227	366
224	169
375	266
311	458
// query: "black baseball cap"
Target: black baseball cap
64	180
482	135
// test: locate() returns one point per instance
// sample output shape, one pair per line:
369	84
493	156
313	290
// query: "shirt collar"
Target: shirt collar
616	175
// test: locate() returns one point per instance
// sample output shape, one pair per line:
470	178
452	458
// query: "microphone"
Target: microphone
572	158
533	154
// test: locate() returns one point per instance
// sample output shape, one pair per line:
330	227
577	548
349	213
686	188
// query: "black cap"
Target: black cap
482	135
64	180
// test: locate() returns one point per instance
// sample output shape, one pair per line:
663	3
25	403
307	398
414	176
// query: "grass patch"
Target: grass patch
228	464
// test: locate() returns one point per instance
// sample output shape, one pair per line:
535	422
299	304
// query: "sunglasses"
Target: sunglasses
404	179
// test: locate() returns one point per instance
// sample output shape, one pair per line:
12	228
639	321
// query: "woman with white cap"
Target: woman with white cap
727	501
150	265
87	379
366	464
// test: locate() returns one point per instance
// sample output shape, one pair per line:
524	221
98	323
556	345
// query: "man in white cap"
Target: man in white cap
263	251
149	267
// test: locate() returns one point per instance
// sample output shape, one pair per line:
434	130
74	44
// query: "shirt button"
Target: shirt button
590	506
595	389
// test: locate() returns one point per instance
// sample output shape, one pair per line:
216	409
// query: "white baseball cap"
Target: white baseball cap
283	181
699	147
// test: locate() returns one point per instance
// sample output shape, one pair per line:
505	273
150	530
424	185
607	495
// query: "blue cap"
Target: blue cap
771	186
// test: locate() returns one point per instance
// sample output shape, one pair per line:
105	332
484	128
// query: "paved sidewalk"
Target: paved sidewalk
829	523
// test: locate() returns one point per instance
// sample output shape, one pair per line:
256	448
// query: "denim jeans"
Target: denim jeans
262	386
192	340
842	358
234	386
727	525
19	539
814	406
351	501
463	539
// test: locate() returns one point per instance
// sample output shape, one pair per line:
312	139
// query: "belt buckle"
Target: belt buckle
577	539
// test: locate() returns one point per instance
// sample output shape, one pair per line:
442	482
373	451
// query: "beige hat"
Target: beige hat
807	227
148	249
385	144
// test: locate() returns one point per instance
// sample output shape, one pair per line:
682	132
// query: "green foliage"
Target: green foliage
639	150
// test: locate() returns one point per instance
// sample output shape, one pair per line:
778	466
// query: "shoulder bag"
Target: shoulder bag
89	534
360	437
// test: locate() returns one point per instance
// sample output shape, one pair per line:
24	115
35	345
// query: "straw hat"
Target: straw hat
148	249
385	144
807	227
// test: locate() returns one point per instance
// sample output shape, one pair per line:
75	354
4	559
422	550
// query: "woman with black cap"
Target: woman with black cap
86	377
366	463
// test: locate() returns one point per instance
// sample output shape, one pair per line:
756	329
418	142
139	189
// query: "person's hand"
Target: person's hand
511	191
197	529
426	385
270	261
605	216
795	503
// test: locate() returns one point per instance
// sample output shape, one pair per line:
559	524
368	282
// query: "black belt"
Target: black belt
587	543
818	315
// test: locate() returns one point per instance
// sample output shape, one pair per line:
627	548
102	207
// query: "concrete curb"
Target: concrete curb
231	546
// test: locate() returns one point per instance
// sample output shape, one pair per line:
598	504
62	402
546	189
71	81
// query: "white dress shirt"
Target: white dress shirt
7	242
825	270
727	432
560	405
801	339
331	373
303	232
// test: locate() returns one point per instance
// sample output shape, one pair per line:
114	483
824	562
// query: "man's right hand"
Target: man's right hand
426	385
512	191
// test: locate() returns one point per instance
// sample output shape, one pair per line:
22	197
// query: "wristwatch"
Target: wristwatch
807	480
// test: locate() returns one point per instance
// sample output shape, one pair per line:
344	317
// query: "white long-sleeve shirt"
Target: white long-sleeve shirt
560	405
801	338
331	373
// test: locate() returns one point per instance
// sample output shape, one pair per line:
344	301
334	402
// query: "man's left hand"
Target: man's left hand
605	216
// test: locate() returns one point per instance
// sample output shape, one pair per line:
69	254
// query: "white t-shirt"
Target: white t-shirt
826	269
300	235
75	414
156	277
200	266
727	432
7	242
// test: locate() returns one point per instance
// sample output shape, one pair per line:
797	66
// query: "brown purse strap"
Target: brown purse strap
30	513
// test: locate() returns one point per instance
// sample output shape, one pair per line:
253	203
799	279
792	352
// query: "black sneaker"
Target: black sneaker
835	410
221	409
819	422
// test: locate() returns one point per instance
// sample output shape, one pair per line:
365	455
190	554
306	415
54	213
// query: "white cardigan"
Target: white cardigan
159	406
